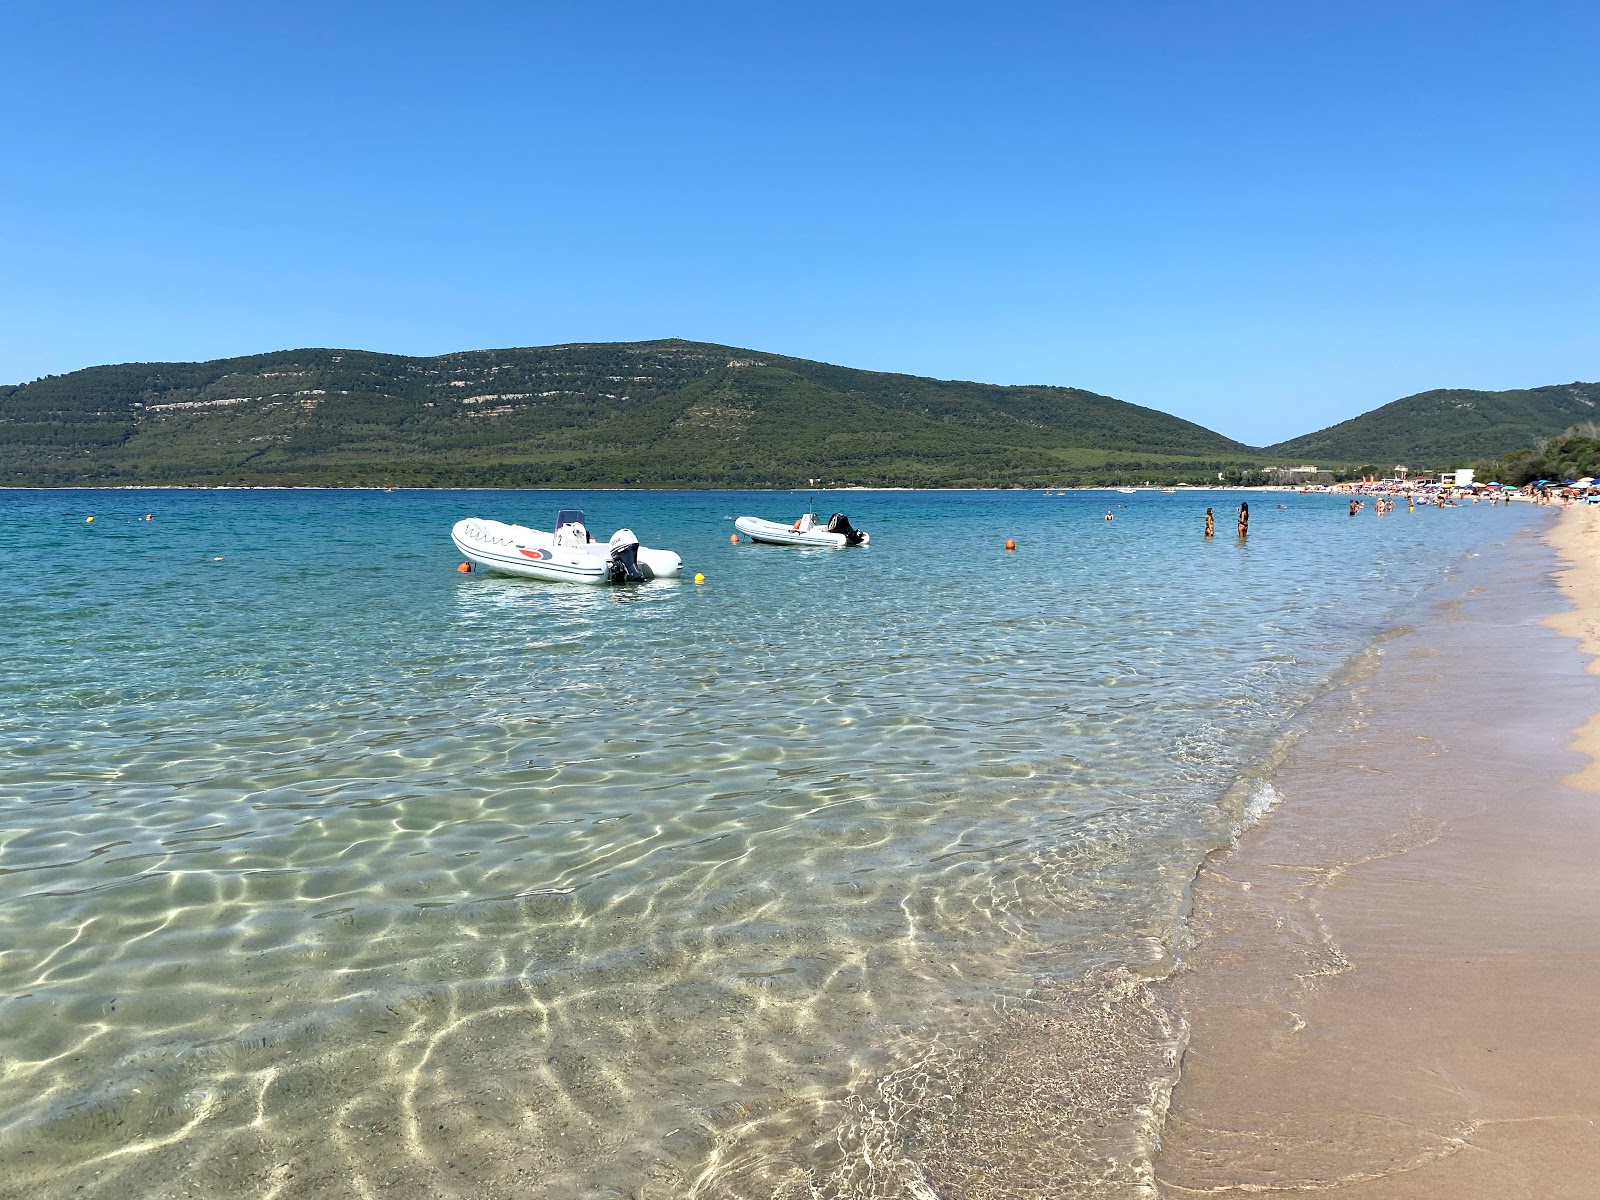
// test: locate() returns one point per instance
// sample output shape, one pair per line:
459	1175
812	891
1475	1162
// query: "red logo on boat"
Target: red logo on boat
532	553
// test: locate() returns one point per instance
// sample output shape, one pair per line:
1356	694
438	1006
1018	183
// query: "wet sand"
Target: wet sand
1394	981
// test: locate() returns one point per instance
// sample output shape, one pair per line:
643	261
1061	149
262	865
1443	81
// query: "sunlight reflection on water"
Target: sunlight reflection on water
325	863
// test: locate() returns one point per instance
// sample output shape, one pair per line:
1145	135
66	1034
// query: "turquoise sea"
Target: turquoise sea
328	870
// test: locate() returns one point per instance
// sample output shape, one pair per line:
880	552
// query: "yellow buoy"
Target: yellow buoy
699	578
88	520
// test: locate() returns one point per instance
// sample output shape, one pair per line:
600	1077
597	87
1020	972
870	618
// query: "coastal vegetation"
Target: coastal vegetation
1573	455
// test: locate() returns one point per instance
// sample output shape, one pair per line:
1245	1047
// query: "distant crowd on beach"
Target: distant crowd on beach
1540	491
1383	500
1385	493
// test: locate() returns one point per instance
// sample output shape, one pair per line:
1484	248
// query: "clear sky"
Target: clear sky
1265	217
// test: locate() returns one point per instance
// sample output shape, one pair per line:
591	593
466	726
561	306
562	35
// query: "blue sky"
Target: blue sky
1265	217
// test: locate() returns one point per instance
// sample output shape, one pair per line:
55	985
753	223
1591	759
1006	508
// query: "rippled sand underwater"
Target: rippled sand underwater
327	870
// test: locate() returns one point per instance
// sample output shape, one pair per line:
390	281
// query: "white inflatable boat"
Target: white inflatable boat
804	532
570	553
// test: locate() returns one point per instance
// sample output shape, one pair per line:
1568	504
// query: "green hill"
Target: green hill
665	413
1448	427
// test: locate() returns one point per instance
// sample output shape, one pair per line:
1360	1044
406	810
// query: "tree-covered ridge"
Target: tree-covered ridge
665	413
1449	427
673	414
1575	454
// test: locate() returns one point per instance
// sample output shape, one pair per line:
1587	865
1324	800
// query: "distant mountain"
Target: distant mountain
664	413
1448	427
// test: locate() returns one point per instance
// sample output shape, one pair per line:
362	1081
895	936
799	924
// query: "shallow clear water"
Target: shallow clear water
322	864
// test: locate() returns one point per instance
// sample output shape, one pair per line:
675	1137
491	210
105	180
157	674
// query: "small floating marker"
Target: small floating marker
699	578
465	568
733	538
219	558
1011	544
88	520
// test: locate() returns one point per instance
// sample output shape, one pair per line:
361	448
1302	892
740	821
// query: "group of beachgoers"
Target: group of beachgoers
1244	521
1382	505
1445	496
1562	496
1211	520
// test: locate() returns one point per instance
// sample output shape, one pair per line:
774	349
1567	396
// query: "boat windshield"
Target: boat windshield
569	516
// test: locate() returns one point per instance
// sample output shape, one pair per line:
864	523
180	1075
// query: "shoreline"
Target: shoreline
1389	988
1576	538
1077	1064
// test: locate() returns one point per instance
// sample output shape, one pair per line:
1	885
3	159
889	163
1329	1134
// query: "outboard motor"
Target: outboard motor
839	523
623	566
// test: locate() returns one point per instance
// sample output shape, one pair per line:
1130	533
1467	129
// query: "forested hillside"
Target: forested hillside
1573	455
1448	427
674	414
665	413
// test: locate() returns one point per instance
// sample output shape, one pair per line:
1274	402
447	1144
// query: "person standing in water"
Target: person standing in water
1244	519
1211	524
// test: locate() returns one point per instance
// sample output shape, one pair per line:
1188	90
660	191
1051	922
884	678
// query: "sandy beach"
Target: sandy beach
1393	977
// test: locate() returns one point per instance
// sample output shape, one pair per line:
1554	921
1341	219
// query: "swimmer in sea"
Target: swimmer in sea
1109	517
1211	524
1244	519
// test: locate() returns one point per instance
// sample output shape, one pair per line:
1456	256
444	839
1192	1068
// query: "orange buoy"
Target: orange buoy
733	539
465	568
1011	544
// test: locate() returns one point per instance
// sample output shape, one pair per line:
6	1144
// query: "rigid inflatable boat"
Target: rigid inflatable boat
569	554
804	532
